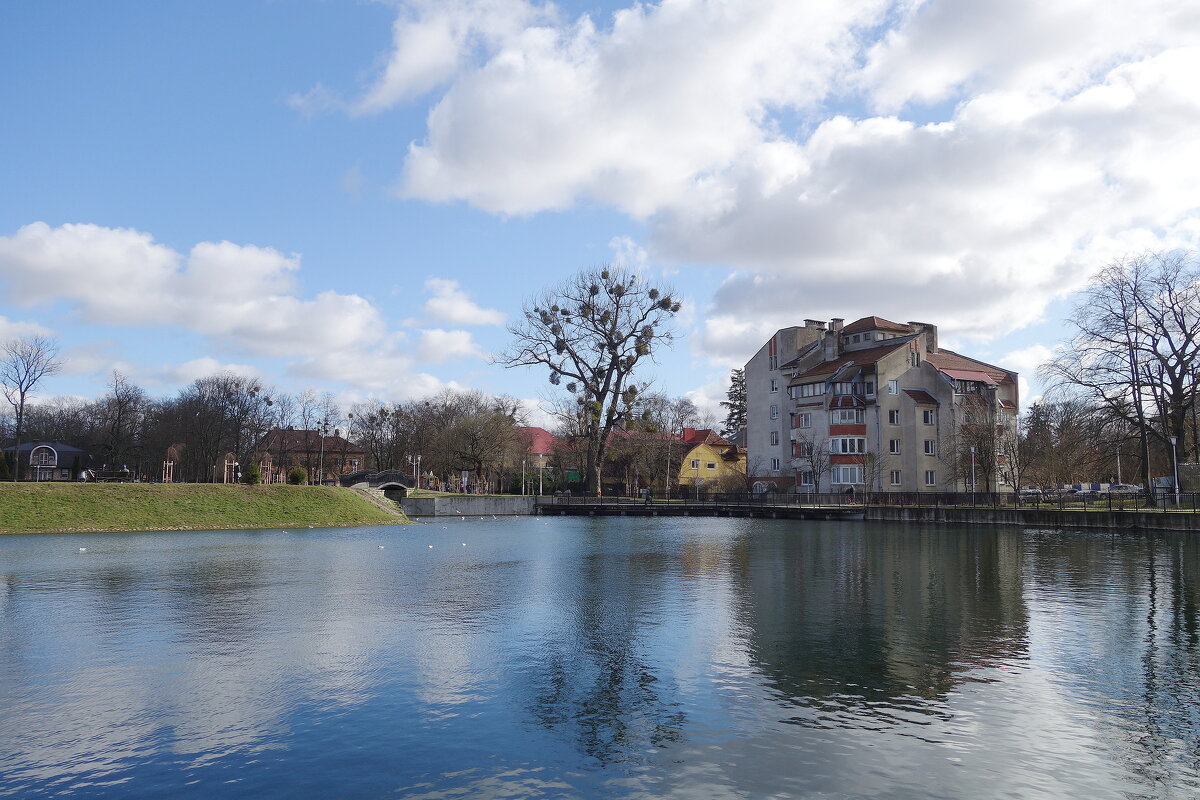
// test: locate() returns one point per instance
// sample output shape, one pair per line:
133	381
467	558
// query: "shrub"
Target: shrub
251	475
297	476
4	473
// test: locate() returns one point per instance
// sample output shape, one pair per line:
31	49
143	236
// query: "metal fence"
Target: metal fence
1164	501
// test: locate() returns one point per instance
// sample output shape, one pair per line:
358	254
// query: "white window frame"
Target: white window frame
806	477
695	463
710	465
894	416
846	416
895	477
930	478
804	418
775	463
774	385
806	449
810	389
893	387
774	437
847	445
931	447
774	412
894	446
844	475
773	362
929	416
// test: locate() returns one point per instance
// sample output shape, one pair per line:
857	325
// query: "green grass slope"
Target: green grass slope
72	507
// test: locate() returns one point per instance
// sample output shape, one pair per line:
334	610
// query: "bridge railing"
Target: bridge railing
1164	501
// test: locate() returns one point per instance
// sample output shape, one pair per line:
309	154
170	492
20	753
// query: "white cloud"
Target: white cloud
1047	159
442	345
452	304
242	298
12	329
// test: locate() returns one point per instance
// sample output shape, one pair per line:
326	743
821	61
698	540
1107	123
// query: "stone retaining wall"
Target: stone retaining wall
467	505
1040	518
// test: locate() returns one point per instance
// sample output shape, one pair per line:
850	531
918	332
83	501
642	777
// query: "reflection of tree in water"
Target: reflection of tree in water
1136	656
845	618
595	684
216	598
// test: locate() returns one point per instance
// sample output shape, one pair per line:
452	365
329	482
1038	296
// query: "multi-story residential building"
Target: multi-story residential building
874	405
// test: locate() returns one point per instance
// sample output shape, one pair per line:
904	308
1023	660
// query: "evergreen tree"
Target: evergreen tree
735	413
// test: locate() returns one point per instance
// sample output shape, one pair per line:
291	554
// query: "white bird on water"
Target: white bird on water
83	549
464	544
380	547
430	547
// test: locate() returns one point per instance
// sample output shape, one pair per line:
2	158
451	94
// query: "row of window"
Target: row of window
709	465
851	445
848	476
851	416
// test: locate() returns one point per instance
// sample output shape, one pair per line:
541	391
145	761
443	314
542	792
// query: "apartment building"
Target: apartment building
874	405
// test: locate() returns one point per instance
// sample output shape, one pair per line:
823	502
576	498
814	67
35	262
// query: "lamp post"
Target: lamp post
1119	464
522	477
1175	464
414	461
972	476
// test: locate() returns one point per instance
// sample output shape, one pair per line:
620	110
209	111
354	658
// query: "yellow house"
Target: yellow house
712	462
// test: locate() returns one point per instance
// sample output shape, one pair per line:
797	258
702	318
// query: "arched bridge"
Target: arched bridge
387	480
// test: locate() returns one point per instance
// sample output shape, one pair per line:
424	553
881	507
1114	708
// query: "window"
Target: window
847	474
870	387
847	444
895	477
711	465
804	449
774	412
894	416
774	384
846	416
775	463
928	416
893	387
810	389
930	447
695	463
774	438
854	338
353	464
894	446
806	478
930	478
804	419
878	337
772	362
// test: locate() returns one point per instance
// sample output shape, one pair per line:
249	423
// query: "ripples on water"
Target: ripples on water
601	658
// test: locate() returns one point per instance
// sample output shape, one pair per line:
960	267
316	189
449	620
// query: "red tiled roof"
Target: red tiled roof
868	355
1008	404
540	439
279	440
921	396
948	359
704	436
875	324
848	401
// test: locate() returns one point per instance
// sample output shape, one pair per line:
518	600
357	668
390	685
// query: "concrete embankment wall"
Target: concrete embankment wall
467	505
1036	518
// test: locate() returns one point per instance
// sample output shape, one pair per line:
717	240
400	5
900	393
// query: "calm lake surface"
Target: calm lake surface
619	657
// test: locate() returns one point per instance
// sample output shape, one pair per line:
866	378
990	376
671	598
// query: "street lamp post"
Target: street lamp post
1175	464
972	476
1119	464
522	477
414	461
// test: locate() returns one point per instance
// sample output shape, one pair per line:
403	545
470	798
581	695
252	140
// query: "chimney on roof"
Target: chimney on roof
929	332
835	324
814	323
830	345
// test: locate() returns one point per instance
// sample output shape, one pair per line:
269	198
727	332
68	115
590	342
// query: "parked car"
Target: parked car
1030	492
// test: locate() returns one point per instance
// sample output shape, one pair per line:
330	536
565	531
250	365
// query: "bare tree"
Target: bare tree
1136	349
26	362
814	458
592	332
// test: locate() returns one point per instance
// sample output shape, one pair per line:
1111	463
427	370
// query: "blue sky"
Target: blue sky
392	179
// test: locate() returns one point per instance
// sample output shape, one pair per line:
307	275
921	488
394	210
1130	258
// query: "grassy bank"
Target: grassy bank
73	507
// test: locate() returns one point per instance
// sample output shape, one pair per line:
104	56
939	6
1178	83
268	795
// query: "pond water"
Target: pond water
617	657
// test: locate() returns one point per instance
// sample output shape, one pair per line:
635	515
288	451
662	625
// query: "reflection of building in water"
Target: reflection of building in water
875	614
